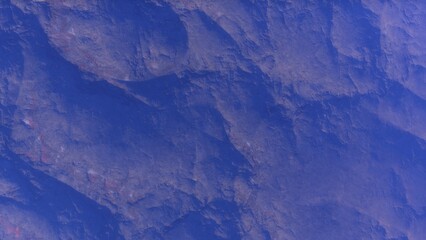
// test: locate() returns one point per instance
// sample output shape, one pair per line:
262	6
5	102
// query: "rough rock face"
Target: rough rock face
193	119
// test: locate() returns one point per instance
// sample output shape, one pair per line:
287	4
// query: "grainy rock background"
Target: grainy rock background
196	119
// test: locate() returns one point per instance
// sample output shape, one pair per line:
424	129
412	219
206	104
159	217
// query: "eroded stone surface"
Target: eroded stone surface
212	120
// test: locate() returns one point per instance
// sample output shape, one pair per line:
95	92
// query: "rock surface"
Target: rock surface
193	119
